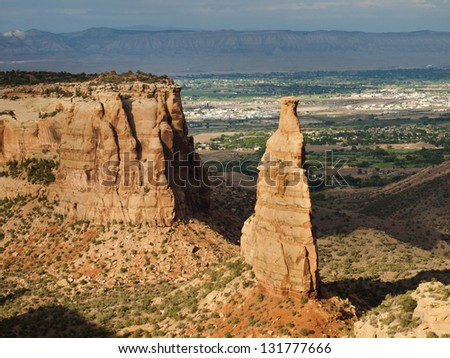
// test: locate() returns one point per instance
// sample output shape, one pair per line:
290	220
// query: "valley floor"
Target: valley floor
80	279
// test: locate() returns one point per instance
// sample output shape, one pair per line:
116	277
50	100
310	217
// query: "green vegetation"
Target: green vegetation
36	171
305	332
245	164
382	159
14	78
373	165
373	134
48	114
386	206
260	297
247	140
323	83
114	308
395	315
11	207
130	76
58	92
407	303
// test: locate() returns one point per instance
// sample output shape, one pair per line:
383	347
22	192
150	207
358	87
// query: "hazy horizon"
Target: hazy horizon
343	15
149	28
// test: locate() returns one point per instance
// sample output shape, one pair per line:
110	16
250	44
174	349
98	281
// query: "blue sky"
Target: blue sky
349	15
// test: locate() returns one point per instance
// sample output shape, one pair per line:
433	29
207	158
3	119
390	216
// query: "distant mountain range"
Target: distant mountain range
179	52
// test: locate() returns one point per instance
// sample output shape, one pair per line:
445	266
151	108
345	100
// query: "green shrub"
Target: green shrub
304	332
36	171
408	303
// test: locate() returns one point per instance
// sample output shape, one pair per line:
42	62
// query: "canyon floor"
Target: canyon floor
79	279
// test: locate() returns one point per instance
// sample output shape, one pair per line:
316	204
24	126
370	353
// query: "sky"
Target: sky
304	15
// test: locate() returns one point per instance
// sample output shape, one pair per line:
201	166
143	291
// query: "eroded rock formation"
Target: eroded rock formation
425	311
128	157
124	150
277	239
28	138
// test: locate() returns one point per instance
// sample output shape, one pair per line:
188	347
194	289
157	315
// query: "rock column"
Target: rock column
277	239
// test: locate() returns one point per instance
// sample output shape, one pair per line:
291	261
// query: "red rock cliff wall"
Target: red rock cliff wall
127	156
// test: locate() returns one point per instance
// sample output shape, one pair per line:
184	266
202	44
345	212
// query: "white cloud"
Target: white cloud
15	33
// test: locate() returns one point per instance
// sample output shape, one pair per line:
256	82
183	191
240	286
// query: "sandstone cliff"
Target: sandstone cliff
124	149
424	312
24	133
277	240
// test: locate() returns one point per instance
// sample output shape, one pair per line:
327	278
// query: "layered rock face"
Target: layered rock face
123	149
427	308
30	137
128	157
277	239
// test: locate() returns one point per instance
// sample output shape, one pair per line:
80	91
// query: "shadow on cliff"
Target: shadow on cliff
366	294
229	208
227	225
127	106
337	222
50	321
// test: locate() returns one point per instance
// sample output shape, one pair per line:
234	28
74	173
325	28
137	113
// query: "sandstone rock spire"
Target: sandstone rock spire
277	239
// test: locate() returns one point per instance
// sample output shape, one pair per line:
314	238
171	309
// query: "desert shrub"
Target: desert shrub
36	171
408	303
35	77
58	91
304	331
48	114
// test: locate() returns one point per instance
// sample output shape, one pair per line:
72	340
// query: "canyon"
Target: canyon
125	155
145	246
